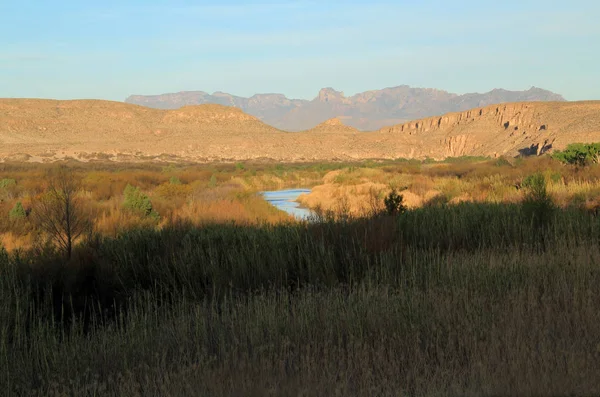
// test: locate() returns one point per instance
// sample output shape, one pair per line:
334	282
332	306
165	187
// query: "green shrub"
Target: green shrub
579	154
213	181
393	203
17	212
138	202
174	181
7	182
537	205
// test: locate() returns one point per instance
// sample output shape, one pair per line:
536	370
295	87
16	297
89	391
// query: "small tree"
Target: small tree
393	203
17	212
138	202
59	212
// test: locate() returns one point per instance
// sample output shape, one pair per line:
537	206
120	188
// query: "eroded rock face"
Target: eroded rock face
515	116
525	128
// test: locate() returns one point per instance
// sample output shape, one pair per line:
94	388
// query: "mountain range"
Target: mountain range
365	111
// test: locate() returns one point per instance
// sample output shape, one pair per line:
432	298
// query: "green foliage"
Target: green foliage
538	204
579	154
170	168
174	181
502	162
240	166
138	202
213	181
17	212
464	159
7	182
393	203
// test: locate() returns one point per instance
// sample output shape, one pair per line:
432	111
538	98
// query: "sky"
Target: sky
67	49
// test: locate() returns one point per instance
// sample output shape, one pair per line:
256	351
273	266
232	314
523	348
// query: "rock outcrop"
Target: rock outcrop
527	128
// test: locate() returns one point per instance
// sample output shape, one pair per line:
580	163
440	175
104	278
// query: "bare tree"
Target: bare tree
59	211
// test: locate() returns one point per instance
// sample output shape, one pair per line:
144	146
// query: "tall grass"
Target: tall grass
473	299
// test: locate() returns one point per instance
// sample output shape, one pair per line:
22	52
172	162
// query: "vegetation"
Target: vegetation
138	202
393	203
224	295
7	182
59	212
470	299
579	154
17	212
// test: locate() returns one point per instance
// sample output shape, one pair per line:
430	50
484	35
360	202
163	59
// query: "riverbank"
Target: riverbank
286	200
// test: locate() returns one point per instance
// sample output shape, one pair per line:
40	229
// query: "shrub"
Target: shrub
579	154
17	212
213	181
393	203
138	202
174	181
538	204
7	182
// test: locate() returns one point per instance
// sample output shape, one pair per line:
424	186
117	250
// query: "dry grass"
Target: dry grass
491	181
469	300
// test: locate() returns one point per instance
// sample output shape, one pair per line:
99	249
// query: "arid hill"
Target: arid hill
366	111
45	130
334	125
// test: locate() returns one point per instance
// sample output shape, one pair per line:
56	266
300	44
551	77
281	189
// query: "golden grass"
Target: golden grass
226	192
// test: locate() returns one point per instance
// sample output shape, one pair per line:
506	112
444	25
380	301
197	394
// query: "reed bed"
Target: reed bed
476	299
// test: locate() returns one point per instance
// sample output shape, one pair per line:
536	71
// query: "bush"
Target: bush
7	182
579	154
138	202
213	181
393	203
537	205
17	212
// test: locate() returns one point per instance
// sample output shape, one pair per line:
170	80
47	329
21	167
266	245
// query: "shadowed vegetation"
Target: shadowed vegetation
472	298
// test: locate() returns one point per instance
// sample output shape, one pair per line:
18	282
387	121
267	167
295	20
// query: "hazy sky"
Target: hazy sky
113	48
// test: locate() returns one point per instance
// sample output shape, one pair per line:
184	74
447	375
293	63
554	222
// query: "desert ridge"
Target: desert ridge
48	130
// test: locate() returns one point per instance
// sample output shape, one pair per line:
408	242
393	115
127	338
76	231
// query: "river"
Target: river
285	200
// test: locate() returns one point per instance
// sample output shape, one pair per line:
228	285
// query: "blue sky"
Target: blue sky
111	49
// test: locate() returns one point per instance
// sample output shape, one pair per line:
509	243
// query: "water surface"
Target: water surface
285	200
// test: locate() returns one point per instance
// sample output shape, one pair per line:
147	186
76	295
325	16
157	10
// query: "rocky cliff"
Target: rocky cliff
525	128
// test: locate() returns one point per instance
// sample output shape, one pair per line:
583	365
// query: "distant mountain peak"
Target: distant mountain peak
329	94
369	110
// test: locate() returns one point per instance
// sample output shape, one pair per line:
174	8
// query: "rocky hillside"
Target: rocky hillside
365	111
46	130
513	128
